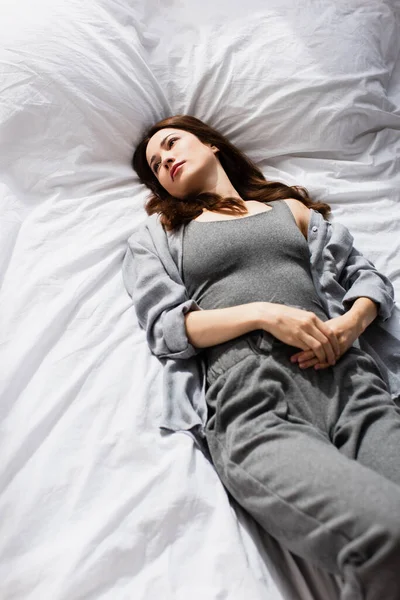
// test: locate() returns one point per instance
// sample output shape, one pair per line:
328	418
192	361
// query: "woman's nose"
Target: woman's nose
167	162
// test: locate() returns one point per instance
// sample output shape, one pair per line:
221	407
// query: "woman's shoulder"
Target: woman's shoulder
151	238
142	229
301	214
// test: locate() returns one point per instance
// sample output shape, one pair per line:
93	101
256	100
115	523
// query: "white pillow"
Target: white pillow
75	89
279	77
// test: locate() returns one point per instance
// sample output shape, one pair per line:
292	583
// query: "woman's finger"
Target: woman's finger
333	349
309	363
318	343
332	339
320	366
302	356
330	343
317	330
307	355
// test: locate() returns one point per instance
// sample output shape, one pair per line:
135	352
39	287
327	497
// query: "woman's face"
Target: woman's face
199	164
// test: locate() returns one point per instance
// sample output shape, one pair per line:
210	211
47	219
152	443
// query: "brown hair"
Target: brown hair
245	177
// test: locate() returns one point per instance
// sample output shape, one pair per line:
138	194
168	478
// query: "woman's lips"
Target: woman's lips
176	169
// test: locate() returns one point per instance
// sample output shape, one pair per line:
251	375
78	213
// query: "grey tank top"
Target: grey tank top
260	258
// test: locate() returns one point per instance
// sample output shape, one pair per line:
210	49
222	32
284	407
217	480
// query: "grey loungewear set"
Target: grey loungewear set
313	456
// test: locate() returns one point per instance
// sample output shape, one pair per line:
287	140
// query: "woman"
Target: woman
249	276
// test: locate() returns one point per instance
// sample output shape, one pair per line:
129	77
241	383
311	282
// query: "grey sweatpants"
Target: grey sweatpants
313	456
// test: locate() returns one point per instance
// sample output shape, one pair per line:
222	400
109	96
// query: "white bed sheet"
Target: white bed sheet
95	503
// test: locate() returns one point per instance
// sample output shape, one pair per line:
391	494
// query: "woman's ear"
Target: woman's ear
215	149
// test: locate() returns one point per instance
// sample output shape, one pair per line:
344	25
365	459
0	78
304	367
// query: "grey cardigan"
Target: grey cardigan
152	273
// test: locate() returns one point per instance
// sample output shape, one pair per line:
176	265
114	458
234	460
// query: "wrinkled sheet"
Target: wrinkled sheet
95	503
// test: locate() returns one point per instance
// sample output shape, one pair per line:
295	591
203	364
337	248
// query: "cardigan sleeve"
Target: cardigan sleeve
361	279
160	302
357	275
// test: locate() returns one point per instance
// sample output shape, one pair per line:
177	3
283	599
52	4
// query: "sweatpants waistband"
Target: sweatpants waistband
224	356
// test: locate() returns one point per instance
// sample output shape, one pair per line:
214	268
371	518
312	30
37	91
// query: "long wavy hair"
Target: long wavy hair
245	177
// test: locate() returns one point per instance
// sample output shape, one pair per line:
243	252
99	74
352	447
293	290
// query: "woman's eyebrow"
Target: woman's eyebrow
161	145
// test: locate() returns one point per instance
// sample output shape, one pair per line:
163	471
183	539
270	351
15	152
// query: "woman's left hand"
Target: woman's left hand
346	329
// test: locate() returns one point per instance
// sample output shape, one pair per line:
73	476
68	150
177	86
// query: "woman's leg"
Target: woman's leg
288	475
365	424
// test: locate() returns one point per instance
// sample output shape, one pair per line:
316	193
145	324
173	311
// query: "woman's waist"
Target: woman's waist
259	341
222	296
222	357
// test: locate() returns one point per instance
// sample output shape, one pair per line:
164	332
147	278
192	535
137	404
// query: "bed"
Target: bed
97	503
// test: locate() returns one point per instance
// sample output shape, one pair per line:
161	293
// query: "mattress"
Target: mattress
95	502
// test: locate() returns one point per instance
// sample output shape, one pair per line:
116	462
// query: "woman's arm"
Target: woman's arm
362	313
211	327
366	292
347	328
361	279
176	327
357	275
160	302
345	274
294	326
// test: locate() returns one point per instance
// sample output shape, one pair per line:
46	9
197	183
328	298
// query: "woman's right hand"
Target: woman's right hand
301	329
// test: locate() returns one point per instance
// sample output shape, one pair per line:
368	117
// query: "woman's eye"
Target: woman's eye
170	141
